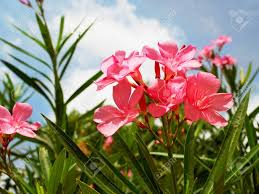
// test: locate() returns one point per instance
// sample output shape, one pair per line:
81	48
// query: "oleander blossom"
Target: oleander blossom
17	122
118	66
110	118
224	61
167	95
203	102
176	60
222	40
26	2
171	89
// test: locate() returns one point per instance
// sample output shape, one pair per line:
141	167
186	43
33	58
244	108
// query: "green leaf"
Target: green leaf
25	52
55	173
83	161
248	73
84	86
25	186
61	29
86	189
39	188
46	37
44	163
73	46
63	42
235	172
114	170
144	178
148	164
189	161
30	67
67	62
28	80
216	177
31	37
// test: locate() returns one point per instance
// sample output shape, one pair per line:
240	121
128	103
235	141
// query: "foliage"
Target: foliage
70	156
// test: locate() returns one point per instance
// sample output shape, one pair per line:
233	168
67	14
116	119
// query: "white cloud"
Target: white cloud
117	27
253	103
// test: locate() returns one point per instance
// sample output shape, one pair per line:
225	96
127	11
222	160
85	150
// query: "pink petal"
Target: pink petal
214	118
134	62
177	85
22	111
26	132
136	96
152	53
120	56
219	101
102	83
186	54
157	110
131	115
201	85
106	63
118	71
191	113
109	128
5	115
7	128
121	94
191	64
106	113
34	126
168	49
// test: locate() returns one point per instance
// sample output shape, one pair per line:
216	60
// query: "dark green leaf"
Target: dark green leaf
84	86
216	177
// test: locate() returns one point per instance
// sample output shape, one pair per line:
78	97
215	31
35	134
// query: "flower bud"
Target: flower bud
26	2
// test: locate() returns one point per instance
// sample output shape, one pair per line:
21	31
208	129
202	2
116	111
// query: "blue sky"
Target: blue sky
128	24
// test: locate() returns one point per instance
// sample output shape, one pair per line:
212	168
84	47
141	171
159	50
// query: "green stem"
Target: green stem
170	155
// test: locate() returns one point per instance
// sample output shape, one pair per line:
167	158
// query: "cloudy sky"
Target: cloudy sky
130	24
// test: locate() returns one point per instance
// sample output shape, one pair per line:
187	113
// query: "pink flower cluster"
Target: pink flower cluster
171	87
211	53
17	122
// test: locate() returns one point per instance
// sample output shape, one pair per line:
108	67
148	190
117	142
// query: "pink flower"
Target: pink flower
110	118
222	40
26	2
17	123
167	94
174	59
117	67
207	51
226	60
203	101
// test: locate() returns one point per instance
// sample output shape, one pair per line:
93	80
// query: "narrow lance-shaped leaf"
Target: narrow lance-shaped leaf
114	170
55	173
83	161
145	181
30	67
86	189
64	41
46	37
189	161
84	86
70	49
148	164
61	29
235	172
216	177
28	80
25	52
31	37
